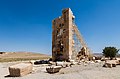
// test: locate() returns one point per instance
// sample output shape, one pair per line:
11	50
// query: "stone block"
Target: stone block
53	69
20	69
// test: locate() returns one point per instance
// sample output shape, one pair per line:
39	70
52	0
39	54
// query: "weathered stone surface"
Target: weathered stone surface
63	41
20	69
53	69
111	63
63	64
62	36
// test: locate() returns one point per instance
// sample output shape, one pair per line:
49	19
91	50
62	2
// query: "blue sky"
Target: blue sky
26	25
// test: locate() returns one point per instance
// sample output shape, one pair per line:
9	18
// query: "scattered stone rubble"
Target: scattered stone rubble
111	63
22	69
53	69
41	62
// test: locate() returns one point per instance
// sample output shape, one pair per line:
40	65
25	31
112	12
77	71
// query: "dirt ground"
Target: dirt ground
91	71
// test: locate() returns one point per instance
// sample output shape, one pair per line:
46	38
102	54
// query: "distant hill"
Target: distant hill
21	56
97	54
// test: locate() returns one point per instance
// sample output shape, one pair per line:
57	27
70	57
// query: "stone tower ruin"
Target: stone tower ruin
62	37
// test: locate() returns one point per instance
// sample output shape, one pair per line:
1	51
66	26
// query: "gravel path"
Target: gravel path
91	71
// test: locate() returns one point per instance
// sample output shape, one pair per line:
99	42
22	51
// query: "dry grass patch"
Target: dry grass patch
21	56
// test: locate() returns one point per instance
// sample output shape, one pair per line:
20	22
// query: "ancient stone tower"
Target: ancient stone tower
62	36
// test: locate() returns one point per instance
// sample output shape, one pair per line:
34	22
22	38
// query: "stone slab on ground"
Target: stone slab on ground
20	69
